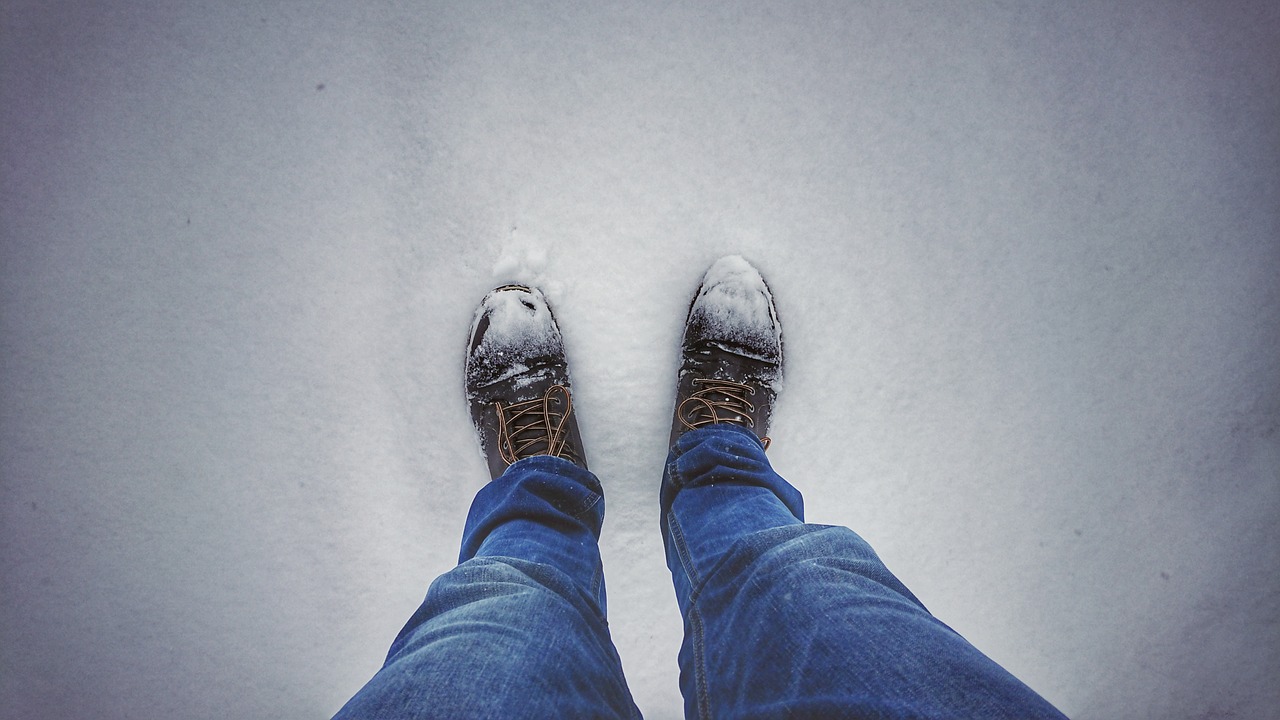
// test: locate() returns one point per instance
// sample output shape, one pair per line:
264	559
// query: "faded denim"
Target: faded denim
782	619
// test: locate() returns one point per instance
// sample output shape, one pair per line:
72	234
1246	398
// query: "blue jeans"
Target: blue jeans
782	619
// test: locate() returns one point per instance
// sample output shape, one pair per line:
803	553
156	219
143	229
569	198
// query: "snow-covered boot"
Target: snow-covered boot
731	360
518	381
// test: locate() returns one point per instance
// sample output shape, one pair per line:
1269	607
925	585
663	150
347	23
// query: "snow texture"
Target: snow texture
734	306
517	328
1026	256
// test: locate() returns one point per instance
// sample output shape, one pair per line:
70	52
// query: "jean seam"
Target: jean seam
696	629
699	662
682	549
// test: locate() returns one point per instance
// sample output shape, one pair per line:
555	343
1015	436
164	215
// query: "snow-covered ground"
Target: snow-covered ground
1025	256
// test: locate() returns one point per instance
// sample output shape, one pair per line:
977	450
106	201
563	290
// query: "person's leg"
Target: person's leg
787	619
518	628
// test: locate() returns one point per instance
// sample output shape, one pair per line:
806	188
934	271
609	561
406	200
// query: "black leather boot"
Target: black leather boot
731	357
518	381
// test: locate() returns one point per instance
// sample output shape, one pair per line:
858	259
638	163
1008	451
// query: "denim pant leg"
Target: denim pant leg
785	619
518	628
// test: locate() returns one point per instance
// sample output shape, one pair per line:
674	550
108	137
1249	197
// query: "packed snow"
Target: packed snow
1025	256
734	303
518	327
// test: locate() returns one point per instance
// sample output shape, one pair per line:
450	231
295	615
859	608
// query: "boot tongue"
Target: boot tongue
538	427
723	402
719	401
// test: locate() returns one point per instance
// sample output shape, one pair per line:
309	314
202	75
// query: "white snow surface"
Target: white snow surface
1025	255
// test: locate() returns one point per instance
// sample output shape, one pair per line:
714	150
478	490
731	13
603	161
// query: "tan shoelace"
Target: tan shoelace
719	401
536	427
